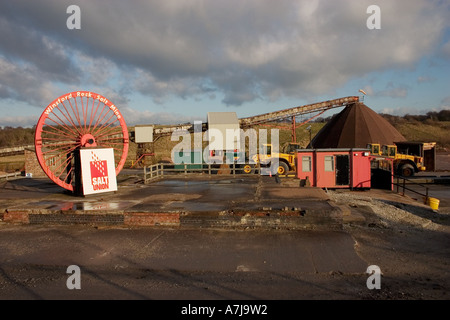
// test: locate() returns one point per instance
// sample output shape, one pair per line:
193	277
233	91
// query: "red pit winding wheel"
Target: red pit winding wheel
75	120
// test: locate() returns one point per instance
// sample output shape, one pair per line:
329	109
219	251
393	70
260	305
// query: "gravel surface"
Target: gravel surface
406	239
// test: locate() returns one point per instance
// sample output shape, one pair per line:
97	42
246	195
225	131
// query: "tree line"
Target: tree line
13	137
443	115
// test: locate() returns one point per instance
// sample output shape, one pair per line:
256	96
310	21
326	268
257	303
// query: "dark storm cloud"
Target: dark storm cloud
22	44
24	83
242	50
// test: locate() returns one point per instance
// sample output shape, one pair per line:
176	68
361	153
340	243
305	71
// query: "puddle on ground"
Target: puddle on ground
196	206
194	183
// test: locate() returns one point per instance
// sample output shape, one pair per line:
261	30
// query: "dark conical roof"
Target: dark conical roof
355	127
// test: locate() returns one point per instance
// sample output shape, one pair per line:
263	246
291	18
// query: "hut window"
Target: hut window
306	164
329	163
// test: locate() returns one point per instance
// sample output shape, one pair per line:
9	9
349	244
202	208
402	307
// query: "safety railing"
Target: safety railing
402	185
158	171
10	175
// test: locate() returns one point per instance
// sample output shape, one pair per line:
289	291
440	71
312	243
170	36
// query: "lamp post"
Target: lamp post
361	98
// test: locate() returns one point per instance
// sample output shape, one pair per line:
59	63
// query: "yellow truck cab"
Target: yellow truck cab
286	161
404	164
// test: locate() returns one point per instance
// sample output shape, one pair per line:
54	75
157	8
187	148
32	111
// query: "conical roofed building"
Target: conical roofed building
355	127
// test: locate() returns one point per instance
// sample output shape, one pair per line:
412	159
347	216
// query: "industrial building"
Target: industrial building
223	134
355	127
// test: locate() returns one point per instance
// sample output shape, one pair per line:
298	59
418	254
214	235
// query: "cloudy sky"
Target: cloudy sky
172	61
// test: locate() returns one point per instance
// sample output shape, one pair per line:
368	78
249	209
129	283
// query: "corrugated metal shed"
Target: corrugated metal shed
355	127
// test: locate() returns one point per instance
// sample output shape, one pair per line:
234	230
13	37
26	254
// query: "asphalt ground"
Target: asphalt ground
230	260
143	263
195	200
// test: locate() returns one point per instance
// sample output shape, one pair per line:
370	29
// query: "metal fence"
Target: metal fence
10	175
158	171
14	150
402	182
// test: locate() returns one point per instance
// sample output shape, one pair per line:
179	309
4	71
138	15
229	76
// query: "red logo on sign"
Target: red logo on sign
99	173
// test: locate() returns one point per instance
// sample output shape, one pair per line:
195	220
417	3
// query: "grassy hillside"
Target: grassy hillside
437	131
426	130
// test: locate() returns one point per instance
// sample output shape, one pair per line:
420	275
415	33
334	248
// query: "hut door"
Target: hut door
342	170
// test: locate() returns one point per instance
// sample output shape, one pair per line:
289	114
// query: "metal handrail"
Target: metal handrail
158	171
143	155
403	186
6	176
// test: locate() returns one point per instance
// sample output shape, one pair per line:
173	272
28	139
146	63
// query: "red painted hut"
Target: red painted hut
334	168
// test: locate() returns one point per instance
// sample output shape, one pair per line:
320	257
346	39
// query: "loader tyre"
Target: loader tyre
248	169
406	170
283	168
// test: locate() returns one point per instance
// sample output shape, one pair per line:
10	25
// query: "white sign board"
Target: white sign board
143	134
98	171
